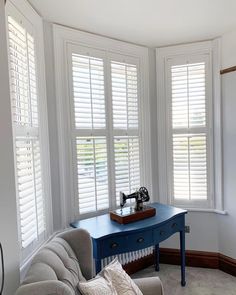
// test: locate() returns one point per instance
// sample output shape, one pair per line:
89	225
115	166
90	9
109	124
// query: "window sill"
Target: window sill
221	212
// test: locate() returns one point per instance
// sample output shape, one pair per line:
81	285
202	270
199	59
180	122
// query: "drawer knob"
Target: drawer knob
162	232
114	245
140	240
174	225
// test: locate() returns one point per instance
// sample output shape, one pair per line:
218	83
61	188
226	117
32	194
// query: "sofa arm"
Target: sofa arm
81	243
150	286
45	288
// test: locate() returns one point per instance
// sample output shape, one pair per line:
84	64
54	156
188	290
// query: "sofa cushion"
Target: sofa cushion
55	261
119	279
97	286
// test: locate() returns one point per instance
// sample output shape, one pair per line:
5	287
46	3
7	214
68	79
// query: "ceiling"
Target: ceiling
152	23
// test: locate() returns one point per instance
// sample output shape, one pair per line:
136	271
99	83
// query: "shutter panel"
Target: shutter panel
22	75
124	95
19	73
190	160
92	174
125	118
30	199
188	96
190	167
88	92
127	165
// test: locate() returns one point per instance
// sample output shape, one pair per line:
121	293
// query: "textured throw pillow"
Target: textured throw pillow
120	280
97	286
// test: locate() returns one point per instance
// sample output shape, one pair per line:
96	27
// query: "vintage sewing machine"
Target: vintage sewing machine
139	211
140	196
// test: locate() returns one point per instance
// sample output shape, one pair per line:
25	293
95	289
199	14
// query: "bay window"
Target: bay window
102	117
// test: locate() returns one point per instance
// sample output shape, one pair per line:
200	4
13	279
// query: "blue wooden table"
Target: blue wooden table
111	238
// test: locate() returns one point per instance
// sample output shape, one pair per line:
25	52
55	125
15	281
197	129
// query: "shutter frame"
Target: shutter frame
32	234
191	131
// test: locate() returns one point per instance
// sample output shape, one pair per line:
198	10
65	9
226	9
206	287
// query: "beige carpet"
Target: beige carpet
200	281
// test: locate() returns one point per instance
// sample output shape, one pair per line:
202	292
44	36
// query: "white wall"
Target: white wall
8	221
227	224
203	234
228	49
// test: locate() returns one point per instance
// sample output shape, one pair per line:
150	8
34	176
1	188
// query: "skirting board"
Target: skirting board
193	258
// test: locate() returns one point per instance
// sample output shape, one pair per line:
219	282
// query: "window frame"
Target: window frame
22	12
195	130
163	55
62	38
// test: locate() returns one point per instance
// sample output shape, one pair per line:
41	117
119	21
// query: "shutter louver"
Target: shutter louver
124	95
88	92
92	174
127	167
189	132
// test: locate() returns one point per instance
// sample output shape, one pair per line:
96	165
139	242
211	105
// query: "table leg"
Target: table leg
98	265
182	251
157	257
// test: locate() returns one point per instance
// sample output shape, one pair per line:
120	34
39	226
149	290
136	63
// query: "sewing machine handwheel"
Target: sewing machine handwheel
143	190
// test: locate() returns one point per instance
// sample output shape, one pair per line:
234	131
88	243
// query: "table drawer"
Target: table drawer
140	240
113	246
168	229
127	243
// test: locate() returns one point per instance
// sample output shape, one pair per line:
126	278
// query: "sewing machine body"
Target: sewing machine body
140	197
126	215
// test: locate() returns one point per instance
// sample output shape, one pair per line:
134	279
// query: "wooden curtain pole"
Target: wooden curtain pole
228	70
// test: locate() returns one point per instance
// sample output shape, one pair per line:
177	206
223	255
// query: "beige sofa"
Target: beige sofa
55	268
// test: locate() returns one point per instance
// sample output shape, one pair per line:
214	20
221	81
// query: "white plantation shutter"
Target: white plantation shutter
190	98
31	203
23	76
124	77
190	167
92	174
127	165
25	117
124	95
105	128
188	95
88	90
89	138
